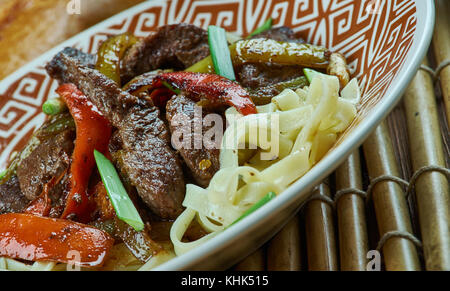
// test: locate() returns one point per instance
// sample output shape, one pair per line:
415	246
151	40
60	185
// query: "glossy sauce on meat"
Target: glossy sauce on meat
50	159
176	46
12	199
203	162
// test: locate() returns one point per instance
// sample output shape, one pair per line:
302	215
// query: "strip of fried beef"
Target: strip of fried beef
45	158
58	68
12	199
151	165
175	46
183	116
49	160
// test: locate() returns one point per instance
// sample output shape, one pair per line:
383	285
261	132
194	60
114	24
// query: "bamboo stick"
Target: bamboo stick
398	130
320	235
441	45
254	262
390	205
353	238
284	251
432	188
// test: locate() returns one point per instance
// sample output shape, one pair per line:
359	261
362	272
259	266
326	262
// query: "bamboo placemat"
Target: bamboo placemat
391	198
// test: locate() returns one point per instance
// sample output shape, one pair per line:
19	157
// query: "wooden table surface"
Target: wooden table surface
29	28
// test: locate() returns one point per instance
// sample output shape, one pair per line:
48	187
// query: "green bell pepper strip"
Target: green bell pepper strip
263	50
110	54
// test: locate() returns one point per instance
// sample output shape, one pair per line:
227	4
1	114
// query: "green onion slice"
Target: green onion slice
3	174
54	106
256	206
119	198
311	74
171	88
220	52
266	26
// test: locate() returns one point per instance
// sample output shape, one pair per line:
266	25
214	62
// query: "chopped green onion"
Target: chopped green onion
256	206
171	88
54	106
206	65
266	26
220	52
117	194
3	174
311	74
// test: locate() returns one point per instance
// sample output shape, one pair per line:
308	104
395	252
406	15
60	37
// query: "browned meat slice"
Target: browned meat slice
11	198
150	163
152	166
175	46
58	68
49	160
281	33
203	162
261	75
255	76
141	82
46	156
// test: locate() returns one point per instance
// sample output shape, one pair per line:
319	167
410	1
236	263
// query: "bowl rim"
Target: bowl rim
425	13
422	40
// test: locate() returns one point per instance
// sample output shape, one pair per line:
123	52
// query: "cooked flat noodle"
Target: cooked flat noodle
13	265
43	266
179	228
3	266
157	260
289	136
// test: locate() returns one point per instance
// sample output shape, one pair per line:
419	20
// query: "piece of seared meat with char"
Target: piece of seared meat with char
49	160
58	68
282	33
150	163
45	158
175	46
183	116
12	199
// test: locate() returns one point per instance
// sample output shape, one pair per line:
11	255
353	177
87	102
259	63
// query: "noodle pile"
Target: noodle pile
286	138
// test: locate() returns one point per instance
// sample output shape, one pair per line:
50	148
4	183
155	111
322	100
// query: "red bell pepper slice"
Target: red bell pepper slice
93	132
34	238
42	205
160	96
211	86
